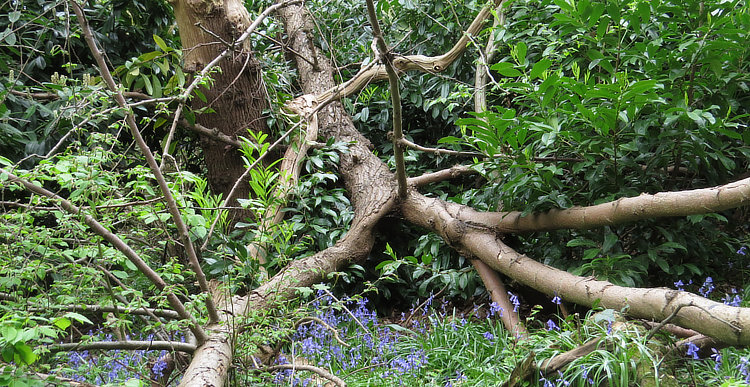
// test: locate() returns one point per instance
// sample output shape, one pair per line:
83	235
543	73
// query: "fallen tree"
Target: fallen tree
374	193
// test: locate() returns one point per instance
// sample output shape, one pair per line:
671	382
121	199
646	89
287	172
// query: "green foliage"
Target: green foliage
41	52
601	100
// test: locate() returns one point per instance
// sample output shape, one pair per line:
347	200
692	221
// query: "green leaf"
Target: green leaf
149	56
78	317
160	42
14	16
505	69
9	333
521	49
581	242
25	353
62	323
8	352
539	68
663	264
147	82
590	254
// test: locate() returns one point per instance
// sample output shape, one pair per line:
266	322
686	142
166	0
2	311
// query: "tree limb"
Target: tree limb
445	174
430	64
306	367
645	206
382	51
725	323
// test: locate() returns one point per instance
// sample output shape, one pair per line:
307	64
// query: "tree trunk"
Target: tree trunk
237	97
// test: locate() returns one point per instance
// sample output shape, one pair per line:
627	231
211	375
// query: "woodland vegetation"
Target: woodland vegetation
215	185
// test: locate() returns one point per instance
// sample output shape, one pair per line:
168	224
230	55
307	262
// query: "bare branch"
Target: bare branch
431	64
723	322
306	367
334	331
499	295
445	174
130	345
163	313
558	362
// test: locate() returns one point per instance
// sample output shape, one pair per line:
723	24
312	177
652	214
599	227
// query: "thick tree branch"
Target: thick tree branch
725	323
645	206
499	295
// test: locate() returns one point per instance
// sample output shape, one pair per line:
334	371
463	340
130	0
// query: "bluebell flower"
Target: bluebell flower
514	301
495	308
546	383
692	350
560	381
556	299
717	358
160	365
489	336
552	326
679	285
742	250
586	375
735	300
707	288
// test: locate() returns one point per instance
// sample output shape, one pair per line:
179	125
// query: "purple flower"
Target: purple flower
717	358
552	326
693	350
556	299
732	301
679	285
514	301
586	374
496	308
707	288
160	365
560	381
489	336
742	250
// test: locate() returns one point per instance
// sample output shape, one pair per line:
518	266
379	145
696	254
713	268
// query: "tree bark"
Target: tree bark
237	96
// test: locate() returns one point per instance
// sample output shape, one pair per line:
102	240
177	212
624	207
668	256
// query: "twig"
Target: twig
669	318
307	319
131	345
164	313
306	367
557	362
418	307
